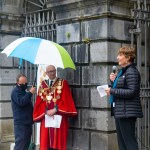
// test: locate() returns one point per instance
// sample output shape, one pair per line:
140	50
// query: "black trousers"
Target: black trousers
22	136
126	133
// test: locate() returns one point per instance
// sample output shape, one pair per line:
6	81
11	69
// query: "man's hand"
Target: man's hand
33	90
51	112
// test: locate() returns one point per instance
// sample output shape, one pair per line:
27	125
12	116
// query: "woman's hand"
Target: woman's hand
113	76
107	91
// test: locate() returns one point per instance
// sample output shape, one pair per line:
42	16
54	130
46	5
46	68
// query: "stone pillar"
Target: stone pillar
11	23
92	31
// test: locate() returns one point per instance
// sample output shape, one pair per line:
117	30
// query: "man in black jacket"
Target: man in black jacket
22	112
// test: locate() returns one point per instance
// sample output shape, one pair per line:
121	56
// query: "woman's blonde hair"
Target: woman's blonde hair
129	52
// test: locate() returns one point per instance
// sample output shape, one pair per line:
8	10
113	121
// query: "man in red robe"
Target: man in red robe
53	99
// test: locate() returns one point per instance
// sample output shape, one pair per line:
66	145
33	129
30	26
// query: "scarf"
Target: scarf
111	99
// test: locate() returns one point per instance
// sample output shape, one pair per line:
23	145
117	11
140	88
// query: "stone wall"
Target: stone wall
92	31
11	23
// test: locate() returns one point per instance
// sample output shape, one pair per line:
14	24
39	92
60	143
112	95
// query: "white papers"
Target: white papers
101	90
53	121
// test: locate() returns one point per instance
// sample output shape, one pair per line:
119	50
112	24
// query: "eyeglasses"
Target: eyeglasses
52	71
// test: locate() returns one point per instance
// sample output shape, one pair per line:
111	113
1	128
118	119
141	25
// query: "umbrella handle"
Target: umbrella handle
34	83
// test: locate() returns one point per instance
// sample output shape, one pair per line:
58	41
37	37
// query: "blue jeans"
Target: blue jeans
22	136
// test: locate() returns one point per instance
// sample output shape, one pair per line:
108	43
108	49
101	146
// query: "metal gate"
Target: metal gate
140	37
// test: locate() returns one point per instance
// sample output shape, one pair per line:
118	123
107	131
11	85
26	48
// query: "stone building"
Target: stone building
91	31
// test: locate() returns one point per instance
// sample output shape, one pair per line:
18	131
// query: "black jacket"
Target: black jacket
127	94
22	106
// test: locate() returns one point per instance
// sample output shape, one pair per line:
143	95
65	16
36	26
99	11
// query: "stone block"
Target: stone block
104	52
97	101
119	29
81	97
120	8
6	61
5	92
16	62
69	139
8	76
5	40
15	7
81	140
5	110
96	74
68	49
76	120
102	141
72	76
5	146
6	130
80	53
68	33
94	29
11	23
77	9
106	28
97	120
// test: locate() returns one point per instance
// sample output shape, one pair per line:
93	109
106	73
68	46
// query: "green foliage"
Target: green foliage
86	40
68	35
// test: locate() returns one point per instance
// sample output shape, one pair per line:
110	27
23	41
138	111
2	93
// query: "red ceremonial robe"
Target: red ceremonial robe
47	98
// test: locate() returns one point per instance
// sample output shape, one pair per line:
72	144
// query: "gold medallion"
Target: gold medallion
40	94
48	98
58	91
59	87
42	90
54	100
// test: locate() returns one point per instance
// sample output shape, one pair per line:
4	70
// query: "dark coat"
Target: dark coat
22	106
127	94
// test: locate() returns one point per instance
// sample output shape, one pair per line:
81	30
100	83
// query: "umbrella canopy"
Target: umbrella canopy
39	51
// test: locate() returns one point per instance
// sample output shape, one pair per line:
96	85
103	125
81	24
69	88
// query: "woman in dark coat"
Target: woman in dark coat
125	99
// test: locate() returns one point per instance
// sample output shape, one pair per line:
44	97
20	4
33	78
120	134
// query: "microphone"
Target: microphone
114	69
